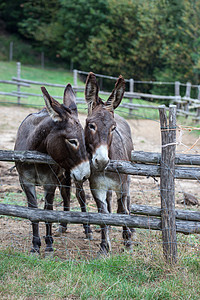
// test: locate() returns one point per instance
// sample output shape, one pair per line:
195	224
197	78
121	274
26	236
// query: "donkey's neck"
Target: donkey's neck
38	138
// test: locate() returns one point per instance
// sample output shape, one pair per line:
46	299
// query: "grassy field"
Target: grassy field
125	276
60	76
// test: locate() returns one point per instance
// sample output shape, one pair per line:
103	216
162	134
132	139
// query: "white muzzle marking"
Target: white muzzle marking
100	158
81	172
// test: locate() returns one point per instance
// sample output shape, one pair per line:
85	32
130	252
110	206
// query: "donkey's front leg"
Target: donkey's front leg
122	209
49	196
105	245
80	194
29	190
100	199
65	189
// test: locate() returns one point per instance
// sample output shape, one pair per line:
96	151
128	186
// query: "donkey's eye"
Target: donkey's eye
73	142
92	126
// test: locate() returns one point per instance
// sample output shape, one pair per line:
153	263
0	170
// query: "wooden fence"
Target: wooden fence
186	105
166	165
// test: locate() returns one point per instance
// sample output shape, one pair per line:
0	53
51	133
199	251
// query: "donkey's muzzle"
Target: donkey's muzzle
81	172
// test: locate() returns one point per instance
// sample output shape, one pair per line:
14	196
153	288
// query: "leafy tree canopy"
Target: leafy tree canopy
146	40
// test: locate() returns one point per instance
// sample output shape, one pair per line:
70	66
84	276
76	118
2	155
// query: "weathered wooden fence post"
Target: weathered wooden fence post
198	108
75	78
167	189
187	96
177	92
131	90
18	84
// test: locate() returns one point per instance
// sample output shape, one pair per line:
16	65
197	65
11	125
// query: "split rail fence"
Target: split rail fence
186	106
166	165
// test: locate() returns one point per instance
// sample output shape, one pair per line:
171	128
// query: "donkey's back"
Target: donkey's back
28	128
122	144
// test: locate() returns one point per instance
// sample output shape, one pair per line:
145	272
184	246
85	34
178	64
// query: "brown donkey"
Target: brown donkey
55	130
107	137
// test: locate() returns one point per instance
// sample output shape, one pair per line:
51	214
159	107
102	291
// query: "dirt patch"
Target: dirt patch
146	137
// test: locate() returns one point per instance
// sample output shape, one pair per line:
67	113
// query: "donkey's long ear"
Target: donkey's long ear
91	92
69	99
117	94
52	105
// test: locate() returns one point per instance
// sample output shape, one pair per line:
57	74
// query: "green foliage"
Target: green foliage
128	44
179	52
80	20
37	16
145	40
11	12
22	51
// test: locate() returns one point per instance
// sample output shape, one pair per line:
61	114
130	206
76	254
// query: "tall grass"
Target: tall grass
125	276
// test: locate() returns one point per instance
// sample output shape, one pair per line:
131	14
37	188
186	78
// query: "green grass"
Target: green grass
122	276
50	75
60	76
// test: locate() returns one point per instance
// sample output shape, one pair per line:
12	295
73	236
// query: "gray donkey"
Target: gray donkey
56	131
107	136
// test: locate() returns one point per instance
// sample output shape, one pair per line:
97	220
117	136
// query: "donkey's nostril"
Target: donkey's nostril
100	164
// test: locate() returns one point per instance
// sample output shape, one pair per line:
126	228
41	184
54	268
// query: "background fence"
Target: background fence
186	106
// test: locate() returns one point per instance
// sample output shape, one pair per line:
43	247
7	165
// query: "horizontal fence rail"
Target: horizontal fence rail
155	157
181	214
125	167
40	215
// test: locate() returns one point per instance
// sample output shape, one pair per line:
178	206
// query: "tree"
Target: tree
80	20
180	26
128	42
11	12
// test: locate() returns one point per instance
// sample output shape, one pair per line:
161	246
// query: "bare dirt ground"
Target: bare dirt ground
146	137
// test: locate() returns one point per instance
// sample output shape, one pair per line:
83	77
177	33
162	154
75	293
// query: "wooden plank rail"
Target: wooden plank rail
40	215
189	215
12	94
14	82
154	157
125	167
